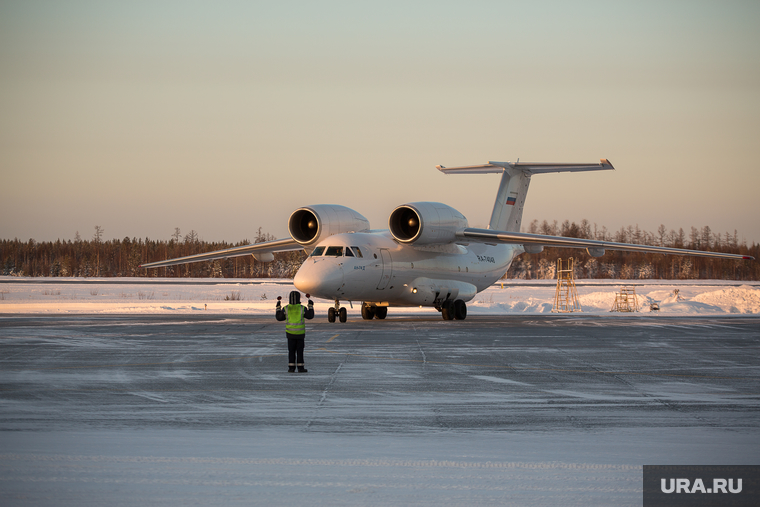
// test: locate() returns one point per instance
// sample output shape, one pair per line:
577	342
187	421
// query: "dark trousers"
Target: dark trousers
295	348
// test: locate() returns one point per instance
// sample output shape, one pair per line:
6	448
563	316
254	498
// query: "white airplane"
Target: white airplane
428	256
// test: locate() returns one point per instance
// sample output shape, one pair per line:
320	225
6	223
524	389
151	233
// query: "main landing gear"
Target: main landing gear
337	311
371	312
451	310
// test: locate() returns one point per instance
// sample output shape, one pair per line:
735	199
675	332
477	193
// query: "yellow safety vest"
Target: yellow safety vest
295	323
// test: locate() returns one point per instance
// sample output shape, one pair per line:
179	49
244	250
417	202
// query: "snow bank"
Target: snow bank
744	299
258	297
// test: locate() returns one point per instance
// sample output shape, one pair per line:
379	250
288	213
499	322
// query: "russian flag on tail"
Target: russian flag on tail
510	201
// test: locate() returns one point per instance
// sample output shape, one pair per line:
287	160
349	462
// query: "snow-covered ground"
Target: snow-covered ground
179	405
255	297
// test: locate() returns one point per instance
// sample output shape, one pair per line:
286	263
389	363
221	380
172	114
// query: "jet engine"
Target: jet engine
425	223
309	224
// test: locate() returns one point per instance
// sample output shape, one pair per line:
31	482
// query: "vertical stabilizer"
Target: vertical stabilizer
513	188
510	200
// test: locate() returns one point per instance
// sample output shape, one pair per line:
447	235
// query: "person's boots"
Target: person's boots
291	368
301	369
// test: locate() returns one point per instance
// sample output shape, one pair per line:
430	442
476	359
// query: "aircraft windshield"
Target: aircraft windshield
337	251
334	251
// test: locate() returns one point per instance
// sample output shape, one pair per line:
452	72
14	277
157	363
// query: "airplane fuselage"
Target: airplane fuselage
374	268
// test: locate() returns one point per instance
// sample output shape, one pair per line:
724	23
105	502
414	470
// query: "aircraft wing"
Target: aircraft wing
278	245
593	247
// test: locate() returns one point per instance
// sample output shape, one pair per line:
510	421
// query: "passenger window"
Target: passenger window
317	251
358	252
334	251
349	253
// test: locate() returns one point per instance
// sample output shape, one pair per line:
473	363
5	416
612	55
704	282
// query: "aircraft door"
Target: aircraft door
387	265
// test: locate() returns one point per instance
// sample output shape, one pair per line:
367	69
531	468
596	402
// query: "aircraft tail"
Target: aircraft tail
513	188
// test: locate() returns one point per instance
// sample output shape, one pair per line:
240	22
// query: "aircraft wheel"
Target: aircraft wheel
367	312
381	312
331	315
342	315
447	310
460	309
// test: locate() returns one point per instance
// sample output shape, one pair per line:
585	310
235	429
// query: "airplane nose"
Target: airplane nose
305	281
321	278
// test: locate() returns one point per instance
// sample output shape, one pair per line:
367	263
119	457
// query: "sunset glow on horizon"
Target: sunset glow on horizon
222	118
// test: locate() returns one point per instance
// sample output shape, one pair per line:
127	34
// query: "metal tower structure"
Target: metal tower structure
625	300
566	297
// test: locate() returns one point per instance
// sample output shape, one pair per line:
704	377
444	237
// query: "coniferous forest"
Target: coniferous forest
118	258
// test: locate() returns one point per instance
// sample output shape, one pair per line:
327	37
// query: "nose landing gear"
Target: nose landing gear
337	311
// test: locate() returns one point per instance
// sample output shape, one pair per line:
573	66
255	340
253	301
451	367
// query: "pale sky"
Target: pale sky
223	117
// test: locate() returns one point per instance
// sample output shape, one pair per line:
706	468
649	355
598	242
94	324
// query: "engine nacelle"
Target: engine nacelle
425	223
310	224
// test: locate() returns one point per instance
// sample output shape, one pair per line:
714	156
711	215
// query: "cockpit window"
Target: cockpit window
317	251
358	252
349	253
334	251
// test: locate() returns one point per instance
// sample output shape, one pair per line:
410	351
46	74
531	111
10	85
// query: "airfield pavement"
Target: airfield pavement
413	410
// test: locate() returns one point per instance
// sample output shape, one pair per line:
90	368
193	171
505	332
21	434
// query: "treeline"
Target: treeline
115	258
635	265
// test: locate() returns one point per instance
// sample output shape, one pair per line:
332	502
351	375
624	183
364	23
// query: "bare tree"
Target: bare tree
96	238
191	237
98	234
705	241
694	238
661	232
263	236
681	239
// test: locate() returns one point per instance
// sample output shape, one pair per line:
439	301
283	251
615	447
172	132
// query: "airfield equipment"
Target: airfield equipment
566	297
625	300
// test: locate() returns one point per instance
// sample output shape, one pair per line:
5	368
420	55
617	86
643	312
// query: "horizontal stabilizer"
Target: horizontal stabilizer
513	188
594	247
529	167
278	245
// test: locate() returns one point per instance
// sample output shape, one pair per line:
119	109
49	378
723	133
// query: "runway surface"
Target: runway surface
535	410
